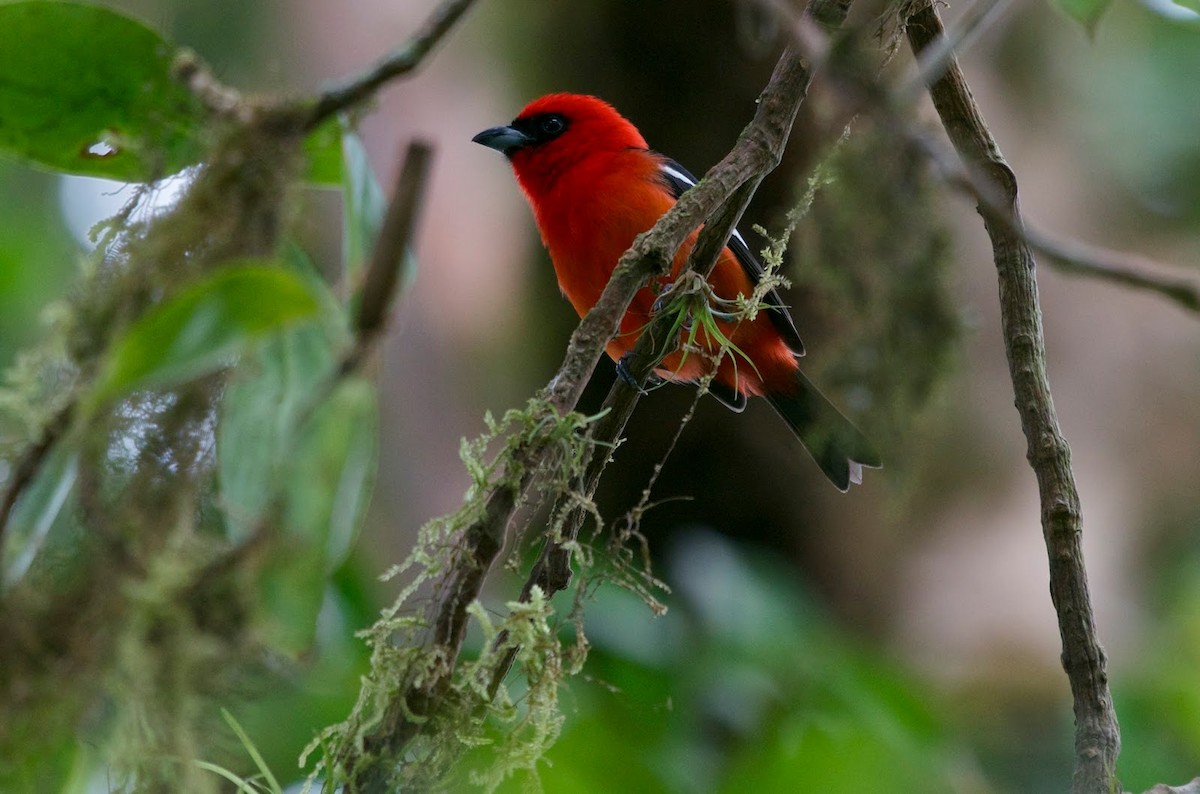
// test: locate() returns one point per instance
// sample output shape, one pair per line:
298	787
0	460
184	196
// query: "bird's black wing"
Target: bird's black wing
678	179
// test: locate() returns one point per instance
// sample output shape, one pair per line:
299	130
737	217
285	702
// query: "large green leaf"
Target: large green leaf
86	90
199	329
328	481
832	753
274	387
260	408
292	588
301	449
333	470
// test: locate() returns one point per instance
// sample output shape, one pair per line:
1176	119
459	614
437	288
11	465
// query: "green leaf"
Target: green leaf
328	486
273	387
333	471
259	411
263	769
86	90
363	202
830	753
364	205
51	759
199	329
323	148
292	588
1085	12
37	511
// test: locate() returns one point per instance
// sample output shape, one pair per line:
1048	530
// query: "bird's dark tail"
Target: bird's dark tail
837	446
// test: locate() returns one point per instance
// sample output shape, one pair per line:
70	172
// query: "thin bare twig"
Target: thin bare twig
1076	257
1097	737
388	254
1130	270
301	116
399	61
934	60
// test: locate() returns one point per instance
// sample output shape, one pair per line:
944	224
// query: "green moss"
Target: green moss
133	646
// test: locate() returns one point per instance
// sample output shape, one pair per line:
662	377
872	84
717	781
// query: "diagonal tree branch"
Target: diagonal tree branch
1097	737
1131	270
302	115
29	463
387	256
718	200
777	109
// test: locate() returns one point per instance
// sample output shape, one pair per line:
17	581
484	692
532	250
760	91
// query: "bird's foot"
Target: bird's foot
625	374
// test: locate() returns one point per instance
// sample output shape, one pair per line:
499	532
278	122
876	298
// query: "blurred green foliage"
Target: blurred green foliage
744	684
136	597
36	256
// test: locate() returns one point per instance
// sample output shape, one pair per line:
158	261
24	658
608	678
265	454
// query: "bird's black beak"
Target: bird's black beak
505	140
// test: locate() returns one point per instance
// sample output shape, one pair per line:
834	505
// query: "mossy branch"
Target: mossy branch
758	151
717	203
1097	737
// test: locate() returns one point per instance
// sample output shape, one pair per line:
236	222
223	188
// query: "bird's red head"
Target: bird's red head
558	132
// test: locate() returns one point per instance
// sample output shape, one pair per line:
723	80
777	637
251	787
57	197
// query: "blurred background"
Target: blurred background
815	640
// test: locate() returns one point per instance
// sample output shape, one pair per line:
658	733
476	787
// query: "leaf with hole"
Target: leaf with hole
86	90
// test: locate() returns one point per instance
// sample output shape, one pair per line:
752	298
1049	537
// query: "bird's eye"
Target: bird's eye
553	125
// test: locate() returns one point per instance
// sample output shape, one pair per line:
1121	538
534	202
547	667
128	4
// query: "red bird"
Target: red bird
594	185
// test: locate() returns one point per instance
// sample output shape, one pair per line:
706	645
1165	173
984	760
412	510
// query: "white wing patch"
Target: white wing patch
683	176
